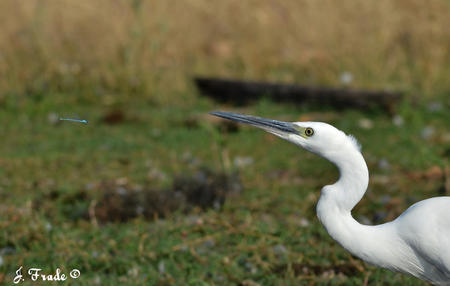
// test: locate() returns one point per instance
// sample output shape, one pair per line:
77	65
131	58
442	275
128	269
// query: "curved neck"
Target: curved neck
353	179
337	201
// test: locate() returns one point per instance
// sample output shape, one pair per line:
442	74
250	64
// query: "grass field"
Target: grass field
126	66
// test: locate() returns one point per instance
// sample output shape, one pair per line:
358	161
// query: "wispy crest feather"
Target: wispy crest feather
354	142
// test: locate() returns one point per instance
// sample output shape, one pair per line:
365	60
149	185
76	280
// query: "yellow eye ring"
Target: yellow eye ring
309	132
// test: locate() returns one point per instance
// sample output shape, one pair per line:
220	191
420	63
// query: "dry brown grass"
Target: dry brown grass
127	47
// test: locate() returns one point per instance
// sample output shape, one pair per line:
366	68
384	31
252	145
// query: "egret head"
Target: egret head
317	137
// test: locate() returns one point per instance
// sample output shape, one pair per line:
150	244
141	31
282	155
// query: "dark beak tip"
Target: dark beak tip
217	113
226	115
259	122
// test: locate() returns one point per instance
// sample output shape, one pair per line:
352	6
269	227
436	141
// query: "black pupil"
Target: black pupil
309	131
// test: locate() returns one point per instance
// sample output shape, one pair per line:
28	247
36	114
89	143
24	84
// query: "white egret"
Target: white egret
416	243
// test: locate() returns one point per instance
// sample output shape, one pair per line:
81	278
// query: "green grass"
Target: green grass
235	245
85	59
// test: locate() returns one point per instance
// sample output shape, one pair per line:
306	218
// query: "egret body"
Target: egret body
416	243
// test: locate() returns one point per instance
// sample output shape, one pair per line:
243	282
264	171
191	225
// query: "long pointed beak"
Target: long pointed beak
279	128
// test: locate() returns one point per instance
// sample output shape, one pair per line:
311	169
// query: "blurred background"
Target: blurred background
153	190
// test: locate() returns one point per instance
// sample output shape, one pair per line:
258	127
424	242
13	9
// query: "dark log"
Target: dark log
244	92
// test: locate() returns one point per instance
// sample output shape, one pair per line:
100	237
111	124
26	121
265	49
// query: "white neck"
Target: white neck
353	180
337	201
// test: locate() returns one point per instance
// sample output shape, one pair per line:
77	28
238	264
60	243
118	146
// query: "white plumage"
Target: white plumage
416	243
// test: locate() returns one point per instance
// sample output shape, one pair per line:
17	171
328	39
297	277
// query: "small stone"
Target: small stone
384	164
206	246
427	132
161	267
346	78
242	162
53	118
48	226
90	186
248	266
365	123
280	250
251	268
220	278
328	274
194	220
121	191
155	173
122	181
217	205
133	272
434	106
304	222
8	250
209	243
397	120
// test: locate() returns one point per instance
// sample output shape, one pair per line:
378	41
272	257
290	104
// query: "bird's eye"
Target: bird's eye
309	132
